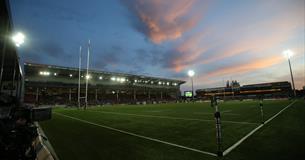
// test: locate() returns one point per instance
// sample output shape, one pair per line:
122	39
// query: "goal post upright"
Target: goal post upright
79	72
87	76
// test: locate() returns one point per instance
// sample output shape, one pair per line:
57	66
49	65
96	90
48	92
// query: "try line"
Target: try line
137	135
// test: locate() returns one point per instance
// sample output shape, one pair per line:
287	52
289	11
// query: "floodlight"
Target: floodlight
44	73
160	82
191	73
100	78
70	75
288	53
122	79
88	76
135	81
167	83
18	39
55	74
112	78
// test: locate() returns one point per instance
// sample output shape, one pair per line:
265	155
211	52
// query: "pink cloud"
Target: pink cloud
164	20
245	67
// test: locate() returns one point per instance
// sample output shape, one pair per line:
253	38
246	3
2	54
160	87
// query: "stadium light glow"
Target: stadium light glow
70	75
159	82
112	78
88	76
122	80
135	81
167	83
55	74
100	78
44	73
288	53
18	39
191	73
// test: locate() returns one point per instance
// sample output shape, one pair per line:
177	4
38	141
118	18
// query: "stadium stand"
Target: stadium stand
49	84
233	90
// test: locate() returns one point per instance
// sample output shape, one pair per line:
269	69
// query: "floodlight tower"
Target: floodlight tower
18	39
288	54
191	74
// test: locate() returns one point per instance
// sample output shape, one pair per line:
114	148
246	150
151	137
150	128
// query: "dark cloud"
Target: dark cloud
109	57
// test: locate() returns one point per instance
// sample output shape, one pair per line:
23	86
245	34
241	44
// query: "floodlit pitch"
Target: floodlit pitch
162	131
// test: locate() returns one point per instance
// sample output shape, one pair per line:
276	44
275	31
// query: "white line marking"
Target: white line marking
157	111
168	117
137	135
223	113
254	130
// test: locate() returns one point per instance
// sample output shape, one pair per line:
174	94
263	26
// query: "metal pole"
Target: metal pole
3	57
13	82
96	94
87	75
224	89
37	92
17	94
117	96
148	94
79	68
161	95
70	97
292	78
192	90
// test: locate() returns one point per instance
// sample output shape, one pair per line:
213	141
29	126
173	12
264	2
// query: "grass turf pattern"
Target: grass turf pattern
190	125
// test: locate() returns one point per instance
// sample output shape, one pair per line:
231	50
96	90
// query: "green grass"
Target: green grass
190	125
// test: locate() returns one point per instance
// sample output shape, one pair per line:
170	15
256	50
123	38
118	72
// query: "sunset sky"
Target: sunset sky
241	40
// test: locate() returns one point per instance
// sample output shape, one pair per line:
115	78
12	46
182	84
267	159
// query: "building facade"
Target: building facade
235	91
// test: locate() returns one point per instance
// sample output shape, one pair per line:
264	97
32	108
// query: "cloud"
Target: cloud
162	20
187	52
248	34
243	68
110	57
